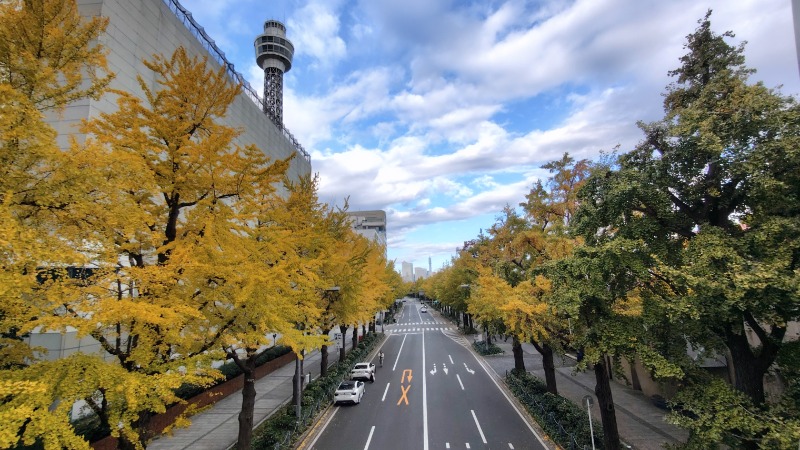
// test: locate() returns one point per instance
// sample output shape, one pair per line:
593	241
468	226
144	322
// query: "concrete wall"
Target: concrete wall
137	30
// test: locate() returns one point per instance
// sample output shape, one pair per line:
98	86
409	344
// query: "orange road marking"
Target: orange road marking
403	397
406	372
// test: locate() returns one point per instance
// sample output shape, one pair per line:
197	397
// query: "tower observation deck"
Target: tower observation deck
274	55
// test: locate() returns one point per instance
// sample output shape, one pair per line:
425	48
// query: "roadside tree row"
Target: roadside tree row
684	248
188	247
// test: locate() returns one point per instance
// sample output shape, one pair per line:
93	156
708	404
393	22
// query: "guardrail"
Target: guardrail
185	16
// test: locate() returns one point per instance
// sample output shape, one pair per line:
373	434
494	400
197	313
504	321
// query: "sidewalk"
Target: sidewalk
217	427
641	424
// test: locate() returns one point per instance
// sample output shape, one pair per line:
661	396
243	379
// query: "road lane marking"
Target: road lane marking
407	372
459	382
444	368
525	421
324	426
370	437
424	398
398	353
468	445
451	359
478	425
385	391
510	446
433	372
404	396
471	372
446	445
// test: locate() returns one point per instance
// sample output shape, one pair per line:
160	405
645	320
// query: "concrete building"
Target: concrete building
370	224
407	271
137	30
420	273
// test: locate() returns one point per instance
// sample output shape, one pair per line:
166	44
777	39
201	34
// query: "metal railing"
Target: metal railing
185	16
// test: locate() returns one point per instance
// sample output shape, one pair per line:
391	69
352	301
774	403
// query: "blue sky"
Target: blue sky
441	112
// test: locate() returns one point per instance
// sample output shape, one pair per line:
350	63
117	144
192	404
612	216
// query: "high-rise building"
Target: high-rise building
407	271
420	273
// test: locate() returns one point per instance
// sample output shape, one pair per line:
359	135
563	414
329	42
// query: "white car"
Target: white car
363	371
424	309
349	392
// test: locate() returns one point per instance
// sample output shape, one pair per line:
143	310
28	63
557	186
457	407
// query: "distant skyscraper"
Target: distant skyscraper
430	266
420	273
407	271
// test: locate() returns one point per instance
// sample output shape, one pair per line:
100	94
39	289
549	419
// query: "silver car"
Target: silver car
349	392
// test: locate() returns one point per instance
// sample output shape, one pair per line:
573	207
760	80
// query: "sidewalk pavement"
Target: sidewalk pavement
641	424
217	427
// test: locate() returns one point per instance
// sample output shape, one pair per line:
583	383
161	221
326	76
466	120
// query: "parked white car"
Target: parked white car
363	371
349	392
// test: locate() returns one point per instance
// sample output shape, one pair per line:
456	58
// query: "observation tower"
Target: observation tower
274	55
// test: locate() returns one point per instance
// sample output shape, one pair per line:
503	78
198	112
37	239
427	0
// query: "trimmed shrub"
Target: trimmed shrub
564	422
483	348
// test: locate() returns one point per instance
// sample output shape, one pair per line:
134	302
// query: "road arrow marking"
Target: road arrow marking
433	372
444	367
408	372
471	372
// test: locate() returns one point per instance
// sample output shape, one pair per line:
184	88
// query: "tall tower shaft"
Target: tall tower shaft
274	55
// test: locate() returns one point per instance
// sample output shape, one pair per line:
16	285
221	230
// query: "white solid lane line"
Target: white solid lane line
370	437
459	382
398	353
385	391
424	398
451	359
483	438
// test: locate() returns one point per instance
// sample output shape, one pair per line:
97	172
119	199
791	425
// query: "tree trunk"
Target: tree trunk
516	349
248	404
488	336
342	351
549	367
355	337
142	426
748	369
323	361
296	386
323	356
606	403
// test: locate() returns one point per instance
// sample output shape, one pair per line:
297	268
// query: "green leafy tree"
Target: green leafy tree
713	193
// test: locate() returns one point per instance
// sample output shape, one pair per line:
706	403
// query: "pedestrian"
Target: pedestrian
380	357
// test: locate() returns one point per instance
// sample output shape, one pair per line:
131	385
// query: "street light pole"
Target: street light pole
589	401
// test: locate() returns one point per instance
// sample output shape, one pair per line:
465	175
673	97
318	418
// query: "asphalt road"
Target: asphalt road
431	393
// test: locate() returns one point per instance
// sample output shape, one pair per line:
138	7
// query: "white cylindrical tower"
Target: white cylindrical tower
274	55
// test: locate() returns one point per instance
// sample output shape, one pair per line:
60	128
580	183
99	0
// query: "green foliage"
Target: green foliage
484	348
563	421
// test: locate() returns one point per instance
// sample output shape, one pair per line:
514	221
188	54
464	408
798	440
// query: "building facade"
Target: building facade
370	224
137	30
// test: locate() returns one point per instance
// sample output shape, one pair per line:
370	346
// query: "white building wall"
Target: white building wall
137	30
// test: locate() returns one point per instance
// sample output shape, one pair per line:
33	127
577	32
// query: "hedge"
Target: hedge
484	348
565	422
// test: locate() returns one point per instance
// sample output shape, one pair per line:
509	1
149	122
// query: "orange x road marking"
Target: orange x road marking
404	397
